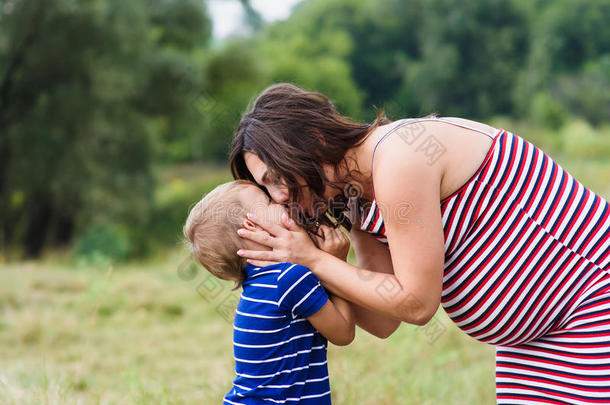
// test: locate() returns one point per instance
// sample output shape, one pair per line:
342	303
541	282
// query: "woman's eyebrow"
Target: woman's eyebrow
264	178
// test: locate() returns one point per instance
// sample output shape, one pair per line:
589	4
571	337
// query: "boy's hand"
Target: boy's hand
353	213
333	241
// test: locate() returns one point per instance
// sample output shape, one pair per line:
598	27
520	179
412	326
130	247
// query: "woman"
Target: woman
469	216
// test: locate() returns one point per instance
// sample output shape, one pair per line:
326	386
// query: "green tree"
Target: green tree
83	86
413	56
233	76
470	55
570	44
307	51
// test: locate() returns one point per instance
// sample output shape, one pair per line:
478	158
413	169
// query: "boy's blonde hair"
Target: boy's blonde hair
211	231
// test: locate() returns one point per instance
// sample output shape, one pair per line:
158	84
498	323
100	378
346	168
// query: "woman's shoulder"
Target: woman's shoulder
408	141
428	137
416	126
443	149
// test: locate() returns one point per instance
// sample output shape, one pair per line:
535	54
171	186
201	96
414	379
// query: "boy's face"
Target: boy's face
257	202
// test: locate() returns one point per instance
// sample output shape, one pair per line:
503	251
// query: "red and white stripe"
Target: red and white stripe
527	268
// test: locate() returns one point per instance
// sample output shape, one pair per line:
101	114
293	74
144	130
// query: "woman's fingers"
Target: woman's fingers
260	255
273	229
261	263
258	236
288	242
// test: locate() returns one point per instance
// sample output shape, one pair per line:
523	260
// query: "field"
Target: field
159	332
155	334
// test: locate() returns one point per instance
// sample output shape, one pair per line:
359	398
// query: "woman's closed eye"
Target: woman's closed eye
277	180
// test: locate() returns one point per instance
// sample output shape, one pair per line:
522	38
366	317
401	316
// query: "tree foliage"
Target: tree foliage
97	94
82	84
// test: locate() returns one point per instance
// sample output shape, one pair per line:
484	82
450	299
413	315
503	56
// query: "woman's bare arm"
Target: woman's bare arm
373	255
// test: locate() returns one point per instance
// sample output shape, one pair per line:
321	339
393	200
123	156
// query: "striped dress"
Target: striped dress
527	254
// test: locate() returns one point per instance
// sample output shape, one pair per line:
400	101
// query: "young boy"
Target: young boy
284	316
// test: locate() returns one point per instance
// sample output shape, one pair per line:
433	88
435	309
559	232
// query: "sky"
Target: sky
227	14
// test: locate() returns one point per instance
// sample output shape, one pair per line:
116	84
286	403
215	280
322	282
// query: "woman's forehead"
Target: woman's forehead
255	165
253	160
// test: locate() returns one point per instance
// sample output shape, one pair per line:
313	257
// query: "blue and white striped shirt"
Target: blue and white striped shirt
280	358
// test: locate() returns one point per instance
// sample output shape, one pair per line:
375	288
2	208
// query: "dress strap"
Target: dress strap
448	121
382	138
407	121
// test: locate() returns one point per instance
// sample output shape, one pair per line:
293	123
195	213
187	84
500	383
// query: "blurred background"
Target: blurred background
116	116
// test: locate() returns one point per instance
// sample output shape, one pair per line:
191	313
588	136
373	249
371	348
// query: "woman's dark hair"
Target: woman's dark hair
294	132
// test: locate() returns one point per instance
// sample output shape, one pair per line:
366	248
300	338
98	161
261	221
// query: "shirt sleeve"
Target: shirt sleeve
300	291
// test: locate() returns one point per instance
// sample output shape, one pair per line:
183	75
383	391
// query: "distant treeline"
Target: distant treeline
96	94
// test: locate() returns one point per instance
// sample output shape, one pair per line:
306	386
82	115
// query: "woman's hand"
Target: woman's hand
333	241
289	243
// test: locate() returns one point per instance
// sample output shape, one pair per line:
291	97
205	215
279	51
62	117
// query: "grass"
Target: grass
155	333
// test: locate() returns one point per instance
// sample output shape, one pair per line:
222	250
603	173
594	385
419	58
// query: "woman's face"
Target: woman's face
280	193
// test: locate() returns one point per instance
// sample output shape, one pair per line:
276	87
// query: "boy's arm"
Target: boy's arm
370	254
335	321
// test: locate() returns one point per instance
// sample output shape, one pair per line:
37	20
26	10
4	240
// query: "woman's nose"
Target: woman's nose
279	196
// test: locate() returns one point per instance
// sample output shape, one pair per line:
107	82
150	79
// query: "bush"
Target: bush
174	198
547	111
102	245
580	140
